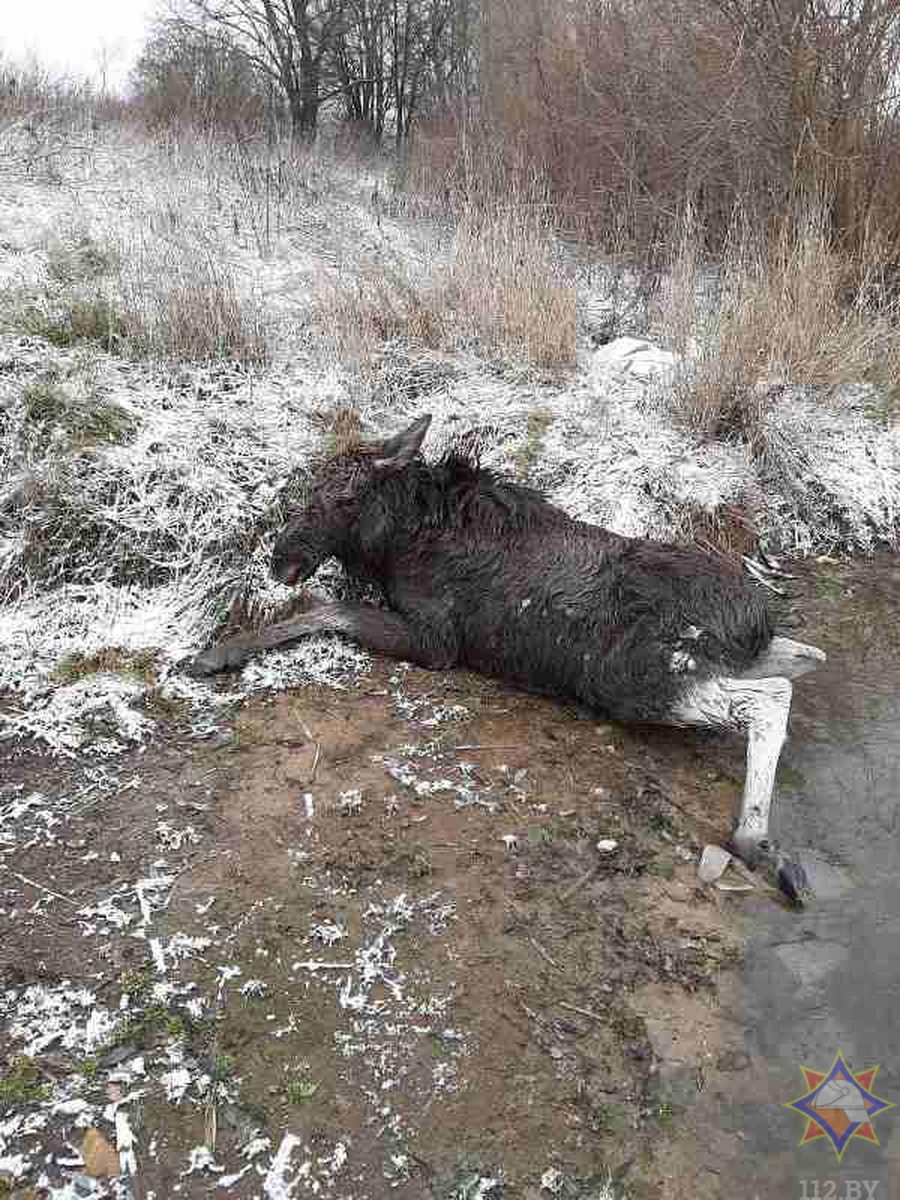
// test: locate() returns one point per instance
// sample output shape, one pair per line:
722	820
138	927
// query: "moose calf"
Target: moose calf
480	572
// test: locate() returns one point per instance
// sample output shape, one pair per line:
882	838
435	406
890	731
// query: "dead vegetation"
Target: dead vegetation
508	285
140	665
792	311
500	287
628	111
170	296
180	301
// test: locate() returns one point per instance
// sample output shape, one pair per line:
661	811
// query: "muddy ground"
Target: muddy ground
411	953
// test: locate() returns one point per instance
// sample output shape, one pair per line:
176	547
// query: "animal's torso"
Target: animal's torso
571	610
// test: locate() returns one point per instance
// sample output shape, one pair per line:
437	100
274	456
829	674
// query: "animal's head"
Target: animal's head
339	495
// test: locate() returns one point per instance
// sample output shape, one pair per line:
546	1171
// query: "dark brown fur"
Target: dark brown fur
487	574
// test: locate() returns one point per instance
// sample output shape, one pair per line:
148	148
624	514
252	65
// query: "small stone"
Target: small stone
552	1181
118	1054
101	1161
713	862
679	892
733	1060
607	845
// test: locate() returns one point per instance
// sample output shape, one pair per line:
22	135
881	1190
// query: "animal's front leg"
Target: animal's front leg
759	707
374	628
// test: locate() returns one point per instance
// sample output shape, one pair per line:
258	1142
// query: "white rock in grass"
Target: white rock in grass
632	356
713	862
653	363
552	1181
620	350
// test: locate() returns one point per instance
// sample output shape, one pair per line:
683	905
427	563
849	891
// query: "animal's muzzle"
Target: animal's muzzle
286	573
291	566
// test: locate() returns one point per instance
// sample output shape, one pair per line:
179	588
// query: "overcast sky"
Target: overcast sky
70	36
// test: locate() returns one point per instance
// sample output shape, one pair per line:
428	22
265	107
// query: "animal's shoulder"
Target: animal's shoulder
479	497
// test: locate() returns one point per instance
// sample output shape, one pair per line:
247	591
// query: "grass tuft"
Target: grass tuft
378	308
181	301
166	298
82	260
86	420
791	312
502	291
76	666
527	454
508	287
300	1091
79	319
22	1084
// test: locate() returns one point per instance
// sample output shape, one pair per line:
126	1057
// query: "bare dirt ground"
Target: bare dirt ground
379	923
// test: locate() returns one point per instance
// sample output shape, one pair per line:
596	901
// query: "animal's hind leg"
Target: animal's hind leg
785	658
760	708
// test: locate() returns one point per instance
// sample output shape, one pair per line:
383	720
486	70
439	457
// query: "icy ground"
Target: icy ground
144	542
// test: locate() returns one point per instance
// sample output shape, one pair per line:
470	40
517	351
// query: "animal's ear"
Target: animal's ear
397	452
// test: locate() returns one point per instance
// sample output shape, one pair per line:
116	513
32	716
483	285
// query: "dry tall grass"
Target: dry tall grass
359	317
508	288
179	300
793	310
154	298
500	288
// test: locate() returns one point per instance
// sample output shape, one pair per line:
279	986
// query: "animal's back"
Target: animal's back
496	578
622	625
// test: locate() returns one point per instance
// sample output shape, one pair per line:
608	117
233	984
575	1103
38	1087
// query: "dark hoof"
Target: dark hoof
218	659
793	881
784	873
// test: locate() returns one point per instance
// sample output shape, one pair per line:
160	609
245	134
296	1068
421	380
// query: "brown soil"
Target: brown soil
534	1005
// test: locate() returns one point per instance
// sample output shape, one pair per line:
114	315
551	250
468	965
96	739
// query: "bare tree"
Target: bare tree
290	41
381	58
360	64
419	37
197	74
393	54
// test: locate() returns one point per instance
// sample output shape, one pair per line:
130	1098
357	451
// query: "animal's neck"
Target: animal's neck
457	494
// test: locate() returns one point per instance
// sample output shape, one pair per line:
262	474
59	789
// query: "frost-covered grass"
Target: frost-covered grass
143	476
499	284
792	311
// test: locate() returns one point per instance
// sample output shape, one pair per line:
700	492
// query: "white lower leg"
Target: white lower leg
767	703
761	707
